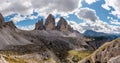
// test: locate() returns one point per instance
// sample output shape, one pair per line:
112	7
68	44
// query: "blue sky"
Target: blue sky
97	15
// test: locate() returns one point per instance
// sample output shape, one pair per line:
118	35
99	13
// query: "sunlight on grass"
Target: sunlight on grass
78	55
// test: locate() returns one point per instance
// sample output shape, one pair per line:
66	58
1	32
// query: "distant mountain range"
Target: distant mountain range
91	33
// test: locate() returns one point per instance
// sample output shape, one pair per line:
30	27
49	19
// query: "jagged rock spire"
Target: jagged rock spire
1	20
50	22
63	25
39	25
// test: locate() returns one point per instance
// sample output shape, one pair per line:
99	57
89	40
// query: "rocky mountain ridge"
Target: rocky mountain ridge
47	43
62	24
107	53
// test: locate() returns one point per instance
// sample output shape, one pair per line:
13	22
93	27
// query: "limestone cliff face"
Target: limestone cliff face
62	25
1	20
50	22
39	25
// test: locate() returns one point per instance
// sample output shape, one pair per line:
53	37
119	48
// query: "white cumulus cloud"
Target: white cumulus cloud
98	26
26	7
92	22
90	1
115	4
87	14
27	27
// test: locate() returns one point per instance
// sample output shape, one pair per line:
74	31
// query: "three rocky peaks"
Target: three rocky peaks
62	24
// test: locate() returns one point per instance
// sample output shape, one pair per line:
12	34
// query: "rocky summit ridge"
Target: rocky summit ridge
62	24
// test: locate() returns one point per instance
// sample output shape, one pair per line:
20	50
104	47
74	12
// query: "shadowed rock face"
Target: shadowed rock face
62	25
50	22
39	25
10	24
1	20
71	29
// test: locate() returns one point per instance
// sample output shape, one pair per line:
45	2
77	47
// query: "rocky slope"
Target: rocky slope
108	53
9	36
98	38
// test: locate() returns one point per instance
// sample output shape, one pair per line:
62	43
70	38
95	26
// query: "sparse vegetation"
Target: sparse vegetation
14	60
78	55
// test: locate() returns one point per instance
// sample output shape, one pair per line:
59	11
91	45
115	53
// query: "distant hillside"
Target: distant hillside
107	53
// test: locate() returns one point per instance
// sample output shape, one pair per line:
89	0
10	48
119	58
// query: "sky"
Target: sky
82	15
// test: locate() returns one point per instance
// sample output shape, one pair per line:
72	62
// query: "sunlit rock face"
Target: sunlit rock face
50	22
107	53
62	24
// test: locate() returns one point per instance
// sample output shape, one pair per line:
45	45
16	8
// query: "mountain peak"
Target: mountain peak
39	25
62	21
62	25
50	22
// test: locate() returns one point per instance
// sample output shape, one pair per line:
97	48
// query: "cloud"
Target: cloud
92	22
26	7
90	1
18	18
109	4
42	7
114	22
28	27
87	14
15	6
98	26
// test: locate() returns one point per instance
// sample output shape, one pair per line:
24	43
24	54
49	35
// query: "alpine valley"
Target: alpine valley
56	43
